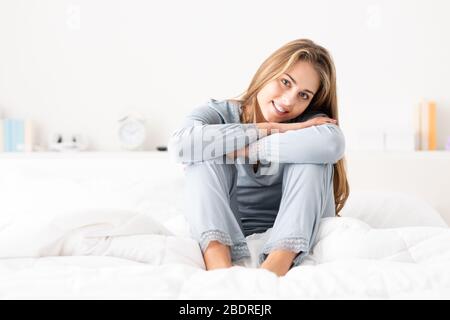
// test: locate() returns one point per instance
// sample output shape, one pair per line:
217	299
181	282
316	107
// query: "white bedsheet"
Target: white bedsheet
126	255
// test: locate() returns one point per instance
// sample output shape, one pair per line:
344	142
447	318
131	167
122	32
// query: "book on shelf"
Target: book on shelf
16	135
425	126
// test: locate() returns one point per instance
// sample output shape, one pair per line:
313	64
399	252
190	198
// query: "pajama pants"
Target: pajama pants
223	205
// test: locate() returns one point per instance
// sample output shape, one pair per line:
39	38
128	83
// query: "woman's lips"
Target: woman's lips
278	110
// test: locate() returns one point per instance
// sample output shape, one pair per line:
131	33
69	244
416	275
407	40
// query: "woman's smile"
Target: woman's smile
278	109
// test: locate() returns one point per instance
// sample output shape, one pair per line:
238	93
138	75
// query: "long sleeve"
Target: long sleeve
316	144
205	135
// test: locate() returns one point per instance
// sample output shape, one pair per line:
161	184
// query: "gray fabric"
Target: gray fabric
289	193
216	130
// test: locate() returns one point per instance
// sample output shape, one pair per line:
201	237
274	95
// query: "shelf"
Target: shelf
85	155
440	154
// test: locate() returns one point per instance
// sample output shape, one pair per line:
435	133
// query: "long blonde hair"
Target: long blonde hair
325	100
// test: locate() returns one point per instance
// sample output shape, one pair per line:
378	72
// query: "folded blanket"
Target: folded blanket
136	236
341	238
102	232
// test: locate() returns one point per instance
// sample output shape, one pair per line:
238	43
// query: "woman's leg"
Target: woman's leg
212	213
217	256
307	196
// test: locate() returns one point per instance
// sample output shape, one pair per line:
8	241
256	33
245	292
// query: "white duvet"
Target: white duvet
119	254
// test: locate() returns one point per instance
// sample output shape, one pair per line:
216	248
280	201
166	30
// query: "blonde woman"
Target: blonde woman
271	160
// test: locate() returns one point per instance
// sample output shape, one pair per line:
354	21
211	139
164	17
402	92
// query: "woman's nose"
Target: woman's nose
287	100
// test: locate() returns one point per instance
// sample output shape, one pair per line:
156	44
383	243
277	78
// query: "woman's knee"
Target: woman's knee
319	175
220	173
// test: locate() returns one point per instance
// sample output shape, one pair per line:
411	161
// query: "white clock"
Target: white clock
132	132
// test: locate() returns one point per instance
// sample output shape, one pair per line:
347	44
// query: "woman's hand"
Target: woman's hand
241	153
319	121
283	127
268	128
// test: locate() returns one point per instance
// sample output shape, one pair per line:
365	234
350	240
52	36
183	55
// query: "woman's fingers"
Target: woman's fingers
326	120
318	121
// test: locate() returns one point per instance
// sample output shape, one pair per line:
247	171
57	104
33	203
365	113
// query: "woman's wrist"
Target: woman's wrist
283	127
268	128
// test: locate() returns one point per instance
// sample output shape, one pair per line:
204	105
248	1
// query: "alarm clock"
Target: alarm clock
132	132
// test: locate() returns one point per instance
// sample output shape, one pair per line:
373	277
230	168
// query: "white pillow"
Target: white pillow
47	236
47	188
382	209
101	232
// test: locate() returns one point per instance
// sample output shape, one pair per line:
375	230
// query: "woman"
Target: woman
271	159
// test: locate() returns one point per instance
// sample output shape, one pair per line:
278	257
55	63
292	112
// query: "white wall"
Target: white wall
77	66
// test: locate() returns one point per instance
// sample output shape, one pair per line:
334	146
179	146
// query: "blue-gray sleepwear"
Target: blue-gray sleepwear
290	192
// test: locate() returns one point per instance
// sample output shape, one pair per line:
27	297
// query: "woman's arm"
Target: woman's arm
317	140
317	144
203	136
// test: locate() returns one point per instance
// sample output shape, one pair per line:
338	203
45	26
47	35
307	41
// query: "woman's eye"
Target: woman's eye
304	95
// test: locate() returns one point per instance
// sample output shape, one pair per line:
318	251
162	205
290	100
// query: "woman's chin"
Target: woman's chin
274	118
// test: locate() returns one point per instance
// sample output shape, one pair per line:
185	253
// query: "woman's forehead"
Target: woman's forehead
304	76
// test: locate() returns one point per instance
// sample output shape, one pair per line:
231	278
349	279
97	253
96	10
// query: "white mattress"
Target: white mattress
113	229
350	260
115	278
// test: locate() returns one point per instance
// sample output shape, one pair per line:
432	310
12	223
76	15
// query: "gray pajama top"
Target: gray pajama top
214	129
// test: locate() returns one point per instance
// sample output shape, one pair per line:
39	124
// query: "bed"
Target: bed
110	226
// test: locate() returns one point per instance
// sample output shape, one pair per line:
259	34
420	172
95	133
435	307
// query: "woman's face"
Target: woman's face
288	96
